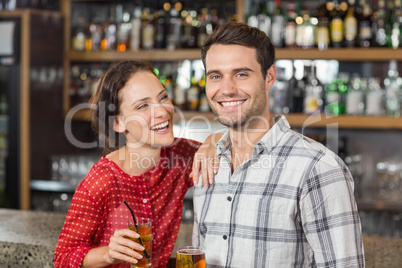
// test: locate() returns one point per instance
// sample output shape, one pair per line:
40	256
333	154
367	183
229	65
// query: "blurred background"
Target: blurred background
339	82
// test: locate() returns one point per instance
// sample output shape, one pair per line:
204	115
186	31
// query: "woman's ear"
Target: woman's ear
118	124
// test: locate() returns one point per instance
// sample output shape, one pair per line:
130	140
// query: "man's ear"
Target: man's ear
118	124
270	77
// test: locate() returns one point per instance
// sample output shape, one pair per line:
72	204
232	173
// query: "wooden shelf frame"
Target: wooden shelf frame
340	54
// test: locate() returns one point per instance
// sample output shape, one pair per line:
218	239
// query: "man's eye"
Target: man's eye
242	74
215	76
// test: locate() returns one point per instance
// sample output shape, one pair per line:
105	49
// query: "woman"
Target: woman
151	172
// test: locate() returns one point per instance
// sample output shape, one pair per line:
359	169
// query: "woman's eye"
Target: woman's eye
142	106
164	97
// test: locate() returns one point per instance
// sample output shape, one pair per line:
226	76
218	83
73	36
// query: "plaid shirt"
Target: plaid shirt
291	204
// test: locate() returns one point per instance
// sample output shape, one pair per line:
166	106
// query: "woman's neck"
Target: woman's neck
135	161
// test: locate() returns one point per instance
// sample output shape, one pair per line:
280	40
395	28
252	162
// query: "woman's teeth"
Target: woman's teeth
161	126
231	103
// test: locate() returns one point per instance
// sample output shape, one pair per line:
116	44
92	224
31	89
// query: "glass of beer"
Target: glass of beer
190	257
144	228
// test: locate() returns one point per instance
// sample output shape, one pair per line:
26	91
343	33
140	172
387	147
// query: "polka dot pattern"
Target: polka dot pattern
97	208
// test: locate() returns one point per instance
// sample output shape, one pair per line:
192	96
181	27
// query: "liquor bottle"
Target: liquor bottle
205	27
379	25
189	27
396	26
93	42
277	94
351	25
123	33
322	39
335	94
336	25
375	98
204	105
160	23
355	97
290	27
147	30
109	28
173	29
365	32
305	32
264	19
79	36
393	85
278	26
314	96
298	92
253	13
193	94
135	35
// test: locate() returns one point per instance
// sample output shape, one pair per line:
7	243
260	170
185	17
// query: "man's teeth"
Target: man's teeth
160	126
231	103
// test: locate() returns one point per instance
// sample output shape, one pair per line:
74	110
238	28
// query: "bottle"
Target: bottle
109	28
305	32
379	25
314	96
355	97
193	94
93	43
173	34
322	39
135	35
278	25
159	18
147	30
374	98
393	84
278	93
365	32
335	95
290	27
336	25
189	26
204	105
351	25
205	27
264	19
298	92
396	26
79	36
123	33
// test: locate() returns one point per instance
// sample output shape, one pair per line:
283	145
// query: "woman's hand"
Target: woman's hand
206	160
121	248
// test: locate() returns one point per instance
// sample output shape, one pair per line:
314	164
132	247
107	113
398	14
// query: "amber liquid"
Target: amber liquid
190	258
145	232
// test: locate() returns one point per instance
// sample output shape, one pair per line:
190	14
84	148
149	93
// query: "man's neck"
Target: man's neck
244	139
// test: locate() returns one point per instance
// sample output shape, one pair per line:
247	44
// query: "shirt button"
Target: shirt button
229	198
145	201
225	237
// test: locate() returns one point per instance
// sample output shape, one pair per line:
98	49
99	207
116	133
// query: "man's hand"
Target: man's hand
206	160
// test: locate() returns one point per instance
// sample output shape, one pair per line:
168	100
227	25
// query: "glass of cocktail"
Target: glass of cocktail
190	257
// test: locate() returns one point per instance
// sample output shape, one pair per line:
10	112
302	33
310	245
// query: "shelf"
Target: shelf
295	120
148	55
52	186
341	54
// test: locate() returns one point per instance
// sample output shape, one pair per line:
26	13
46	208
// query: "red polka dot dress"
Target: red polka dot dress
97	208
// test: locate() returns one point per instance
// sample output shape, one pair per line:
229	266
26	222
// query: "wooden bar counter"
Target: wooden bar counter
29	238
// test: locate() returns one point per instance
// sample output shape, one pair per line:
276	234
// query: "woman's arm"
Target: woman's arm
206	160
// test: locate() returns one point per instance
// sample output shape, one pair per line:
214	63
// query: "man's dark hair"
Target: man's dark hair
238	33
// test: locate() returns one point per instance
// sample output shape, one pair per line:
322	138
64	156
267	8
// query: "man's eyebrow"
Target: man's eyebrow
241	69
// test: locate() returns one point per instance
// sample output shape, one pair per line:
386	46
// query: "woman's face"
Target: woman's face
146	112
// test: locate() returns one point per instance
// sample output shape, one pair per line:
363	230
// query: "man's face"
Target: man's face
236	90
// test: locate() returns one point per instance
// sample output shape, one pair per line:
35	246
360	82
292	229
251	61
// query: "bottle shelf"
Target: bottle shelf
341	54
295	120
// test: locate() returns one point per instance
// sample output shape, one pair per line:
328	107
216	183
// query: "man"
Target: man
279	199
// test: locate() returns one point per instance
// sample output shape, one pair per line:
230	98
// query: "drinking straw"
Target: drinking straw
136	229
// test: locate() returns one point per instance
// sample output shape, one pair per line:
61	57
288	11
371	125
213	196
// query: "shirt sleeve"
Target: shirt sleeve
329	215
79	227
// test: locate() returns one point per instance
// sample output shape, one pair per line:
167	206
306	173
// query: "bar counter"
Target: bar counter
29	238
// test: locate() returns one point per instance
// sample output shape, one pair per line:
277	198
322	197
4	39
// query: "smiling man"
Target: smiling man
279	199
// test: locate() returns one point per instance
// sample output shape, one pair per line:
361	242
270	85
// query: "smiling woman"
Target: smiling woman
151	172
